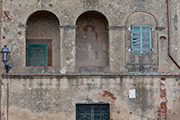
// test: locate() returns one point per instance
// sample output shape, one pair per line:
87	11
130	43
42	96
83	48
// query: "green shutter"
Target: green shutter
92	112
141	39
136	39
37	54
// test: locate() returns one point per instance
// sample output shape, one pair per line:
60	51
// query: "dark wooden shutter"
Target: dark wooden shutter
37	54
136	39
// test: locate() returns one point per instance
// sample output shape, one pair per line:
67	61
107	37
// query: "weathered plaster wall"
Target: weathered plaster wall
40	95
117	14
175	13
55	97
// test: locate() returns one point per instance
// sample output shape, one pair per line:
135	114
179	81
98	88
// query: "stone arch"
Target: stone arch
140	15
43	27
135	62
92	41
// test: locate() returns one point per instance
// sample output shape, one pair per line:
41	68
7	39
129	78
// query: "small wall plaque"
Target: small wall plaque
132	93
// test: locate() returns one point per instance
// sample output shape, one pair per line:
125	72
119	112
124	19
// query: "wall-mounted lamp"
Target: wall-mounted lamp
5	54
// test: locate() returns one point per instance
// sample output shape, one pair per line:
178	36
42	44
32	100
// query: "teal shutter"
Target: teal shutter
146	39
37	54
136	39
141	39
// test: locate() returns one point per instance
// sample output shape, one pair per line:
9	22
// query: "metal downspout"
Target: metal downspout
169	35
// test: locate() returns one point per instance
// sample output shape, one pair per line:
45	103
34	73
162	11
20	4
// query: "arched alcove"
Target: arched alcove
92	43
43	35
141	25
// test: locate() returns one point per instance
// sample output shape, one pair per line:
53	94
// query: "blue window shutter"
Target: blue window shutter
146	39
141	39
37	54
136	39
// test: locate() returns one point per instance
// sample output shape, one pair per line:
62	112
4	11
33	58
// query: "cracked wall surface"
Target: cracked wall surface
52	92
55	97
119	16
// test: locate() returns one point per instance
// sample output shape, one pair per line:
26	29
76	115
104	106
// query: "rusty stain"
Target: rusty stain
19	33
130	112
109	94
163	79
50	5
118	112
162	38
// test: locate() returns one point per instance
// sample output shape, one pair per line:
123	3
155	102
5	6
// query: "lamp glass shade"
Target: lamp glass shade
5	53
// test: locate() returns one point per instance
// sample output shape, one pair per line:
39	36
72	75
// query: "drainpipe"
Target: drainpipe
169	35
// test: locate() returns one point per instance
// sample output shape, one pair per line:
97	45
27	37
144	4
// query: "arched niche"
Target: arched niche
135	62
43	28
92	43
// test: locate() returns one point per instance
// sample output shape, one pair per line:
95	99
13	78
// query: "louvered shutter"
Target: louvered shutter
146	39
141	39
37	54
136	39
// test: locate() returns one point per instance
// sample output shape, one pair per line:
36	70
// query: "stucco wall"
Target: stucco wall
44	93
118	14
55	97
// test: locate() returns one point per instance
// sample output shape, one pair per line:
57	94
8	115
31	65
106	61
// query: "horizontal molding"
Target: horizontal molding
10	75
67	27
117	27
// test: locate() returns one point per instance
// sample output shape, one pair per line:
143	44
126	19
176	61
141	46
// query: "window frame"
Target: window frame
92	111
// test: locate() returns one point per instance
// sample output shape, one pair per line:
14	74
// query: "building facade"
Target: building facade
91	60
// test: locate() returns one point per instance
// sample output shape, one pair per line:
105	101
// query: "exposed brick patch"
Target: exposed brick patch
163	79
163	108
162	38
50	5
109	94
118	112
19	33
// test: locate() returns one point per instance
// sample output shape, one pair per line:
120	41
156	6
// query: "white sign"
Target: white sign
132	93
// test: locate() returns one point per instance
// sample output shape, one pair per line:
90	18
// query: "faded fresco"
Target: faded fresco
91	43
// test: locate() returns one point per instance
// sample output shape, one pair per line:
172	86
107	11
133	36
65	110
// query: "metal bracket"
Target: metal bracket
7	67
160	28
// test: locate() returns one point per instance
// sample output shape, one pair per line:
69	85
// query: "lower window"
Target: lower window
92	112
